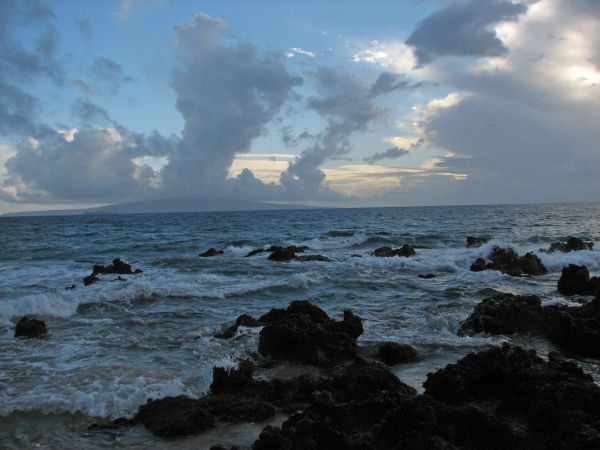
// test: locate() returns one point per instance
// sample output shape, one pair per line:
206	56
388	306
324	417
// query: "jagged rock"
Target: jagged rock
576	279
256	251
575	329
476	241
282	254
406	250
243	320
505	314
573	244
30	328
507	261
306	334
175	416
395	353
211	252
117	267
478	265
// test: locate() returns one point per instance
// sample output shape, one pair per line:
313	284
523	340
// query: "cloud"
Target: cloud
463	28
227	93
394	152
299	51
93	164
89	112
110	73
348	106
84	28
84	87
290	140
23	63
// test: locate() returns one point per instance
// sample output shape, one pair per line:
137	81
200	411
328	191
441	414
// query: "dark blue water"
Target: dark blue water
111	346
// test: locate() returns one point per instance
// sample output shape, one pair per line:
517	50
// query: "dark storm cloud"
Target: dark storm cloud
88	111
463	28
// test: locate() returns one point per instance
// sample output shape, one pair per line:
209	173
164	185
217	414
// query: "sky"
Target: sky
337	103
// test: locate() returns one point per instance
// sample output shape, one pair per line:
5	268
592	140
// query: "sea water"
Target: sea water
112	346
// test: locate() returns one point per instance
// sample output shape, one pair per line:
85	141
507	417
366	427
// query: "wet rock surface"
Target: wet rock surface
28	327
573	244
476	241
576	280
118	267
406	250
507	261
211	252
395	353
503	397
576	329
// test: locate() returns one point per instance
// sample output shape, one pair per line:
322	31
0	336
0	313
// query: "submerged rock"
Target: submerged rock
476	241
573	244
395	353
507	261
576	279
406	250
211	252
427	275
30	328
243	320
313	258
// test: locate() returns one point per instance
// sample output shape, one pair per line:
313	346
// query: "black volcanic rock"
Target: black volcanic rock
476	241
576	279
117	267
304	333
211	252
395	353
30	328
243	320
575	329
175	416
505	314
313	258
406	250
507	261
573	244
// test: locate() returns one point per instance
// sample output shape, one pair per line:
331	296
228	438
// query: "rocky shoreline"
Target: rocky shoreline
498	398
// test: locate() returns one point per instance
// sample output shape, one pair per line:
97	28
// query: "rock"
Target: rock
573	244
574	329
112	424
70	288
505	314
306	334
478	265
313	258
243	320
507	261
256	251
175	416
395	353
531	264
117	267
355	255
282	254
476	241
427	275
90	279
119	279
576	279
211	252
30	328
406	250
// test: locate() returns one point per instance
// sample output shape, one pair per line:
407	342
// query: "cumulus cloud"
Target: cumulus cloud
349	106
394	152
463	28
227	93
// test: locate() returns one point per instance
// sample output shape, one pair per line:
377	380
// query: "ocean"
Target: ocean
113	345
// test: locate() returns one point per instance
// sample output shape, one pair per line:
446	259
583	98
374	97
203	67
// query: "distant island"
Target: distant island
166	205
